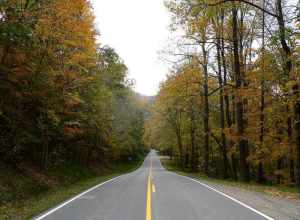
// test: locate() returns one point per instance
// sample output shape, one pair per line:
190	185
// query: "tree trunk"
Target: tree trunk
242	142
222	116
194	156
206	112
226	96
279	165
228	115
262	99
296	170
45	147
287	70
180	147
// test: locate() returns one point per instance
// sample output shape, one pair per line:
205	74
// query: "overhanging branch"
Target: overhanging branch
241	1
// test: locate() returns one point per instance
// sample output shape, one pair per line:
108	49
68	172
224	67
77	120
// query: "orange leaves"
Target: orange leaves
183	84
55	79
72	130
70	25
73	100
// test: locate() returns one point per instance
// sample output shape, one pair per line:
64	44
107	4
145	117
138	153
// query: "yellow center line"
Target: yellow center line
148	205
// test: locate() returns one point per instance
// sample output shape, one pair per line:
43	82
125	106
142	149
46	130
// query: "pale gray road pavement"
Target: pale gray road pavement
173	198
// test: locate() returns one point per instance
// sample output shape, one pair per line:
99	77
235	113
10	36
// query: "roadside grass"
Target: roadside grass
273	190
31	198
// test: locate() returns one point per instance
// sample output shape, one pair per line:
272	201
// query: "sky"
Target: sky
137	30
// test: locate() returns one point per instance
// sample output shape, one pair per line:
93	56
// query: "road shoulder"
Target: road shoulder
30	207
279	206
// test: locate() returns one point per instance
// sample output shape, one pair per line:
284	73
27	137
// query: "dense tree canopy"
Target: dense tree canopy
64	97
238	114
230	106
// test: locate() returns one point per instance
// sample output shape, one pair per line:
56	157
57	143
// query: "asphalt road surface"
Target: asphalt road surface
152	193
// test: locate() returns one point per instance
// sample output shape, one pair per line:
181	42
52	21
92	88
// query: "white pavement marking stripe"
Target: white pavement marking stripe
227	196
76	197
153	188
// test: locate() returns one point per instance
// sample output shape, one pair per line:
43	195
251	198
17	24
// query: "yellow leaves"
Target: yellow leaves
180	86
70	24
73	100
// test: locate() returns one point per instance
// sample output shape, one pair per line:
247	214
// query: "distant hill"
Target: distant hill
145	99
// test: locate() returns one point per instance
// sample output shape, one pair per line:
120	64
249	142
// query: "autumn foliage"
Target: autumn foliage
230	108
63	97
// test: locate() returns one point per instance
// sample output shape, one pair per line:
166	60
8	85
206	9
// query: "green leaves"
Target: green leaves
62	98
30	4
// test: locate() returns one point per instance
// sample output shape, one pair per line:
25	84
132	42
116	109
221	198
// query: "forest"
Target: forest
66	102
230	106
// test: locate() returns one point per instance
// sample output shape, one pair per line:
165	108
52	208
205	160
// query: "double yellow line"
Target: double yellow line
149	193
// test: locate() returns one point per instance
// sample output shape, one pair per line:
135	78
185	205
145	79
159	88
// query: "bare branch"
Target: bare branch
241	1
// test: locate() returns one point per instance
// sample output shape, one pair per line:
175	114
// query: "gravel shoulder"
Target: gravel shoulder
274	206
280	206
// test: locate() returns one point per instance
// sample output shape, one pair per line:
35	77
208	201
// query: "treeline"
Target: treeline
63	97
230	108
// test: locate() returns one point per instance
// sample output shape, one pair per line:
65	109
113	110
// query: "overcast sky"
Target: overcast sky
137	30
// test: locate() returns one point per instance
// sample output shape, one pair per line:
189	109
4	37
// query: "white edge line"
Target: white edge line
227	196
76	197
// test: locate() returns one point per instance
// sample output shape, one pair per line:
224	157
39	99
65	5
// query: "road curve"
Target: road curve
152	193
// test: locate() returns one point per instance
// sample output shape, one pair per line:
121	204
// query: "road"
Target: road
152	193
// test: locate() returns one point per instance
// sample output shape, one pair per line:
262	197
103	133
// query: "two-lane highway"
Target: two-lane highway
152	193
